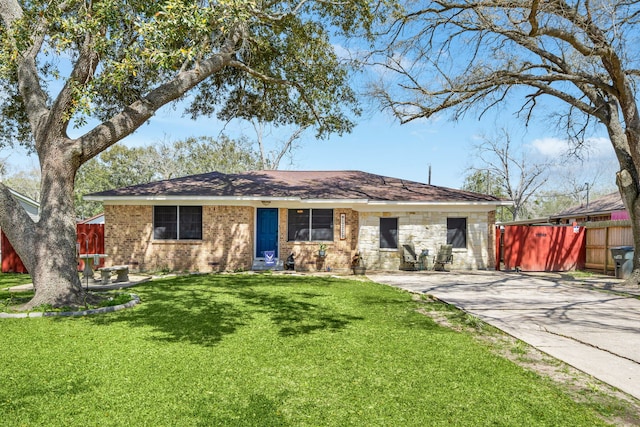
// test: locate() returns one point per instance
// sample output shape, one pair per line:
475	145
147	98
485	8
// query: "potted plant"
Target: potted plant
357	264
322	250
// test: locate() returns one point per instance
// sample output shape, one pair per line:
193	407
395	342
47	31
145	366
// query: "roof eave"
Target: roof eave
253	199
24	198
585	213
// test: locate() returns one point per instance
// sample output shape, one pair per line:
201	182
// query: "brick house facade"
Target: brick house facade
342	210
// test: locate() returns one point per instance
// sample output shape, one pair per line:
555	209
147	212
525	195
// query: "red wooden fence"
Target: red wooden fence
541	248
90	239
11	262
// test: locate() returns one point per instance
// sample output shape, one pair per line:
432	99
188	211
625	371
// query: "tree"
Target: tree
509	172
204	154
25	182
573	183
487	182
271	159
120	166
578	59
66	63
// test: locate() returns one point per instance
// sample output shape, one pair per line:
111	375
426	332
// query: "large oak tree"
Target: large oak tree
584	56
116	62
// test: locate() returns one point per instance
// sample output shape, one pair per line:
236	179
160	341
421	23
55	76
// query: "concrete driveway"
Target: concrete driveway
581	322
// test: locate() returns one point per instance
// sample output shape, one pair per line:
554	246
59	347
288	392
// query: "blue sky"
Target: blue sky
378	144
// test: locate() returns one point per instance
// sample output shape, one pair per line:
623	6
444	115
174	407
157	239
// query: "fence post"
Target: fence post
606	248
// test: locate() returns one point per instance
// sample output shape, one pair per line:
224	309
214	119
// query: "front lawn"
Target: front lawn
8	280
266	350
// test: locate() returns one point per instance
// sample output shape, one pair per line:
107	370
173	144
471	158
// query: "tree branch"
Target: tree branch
133	116
34	98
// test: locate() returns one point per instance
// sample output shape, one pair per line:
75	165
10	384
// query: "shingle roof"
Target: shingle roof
609	203
309	185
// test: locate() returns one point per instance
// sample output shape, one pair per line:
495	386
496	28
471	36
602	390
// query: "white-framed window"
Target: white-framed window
305	225
177	222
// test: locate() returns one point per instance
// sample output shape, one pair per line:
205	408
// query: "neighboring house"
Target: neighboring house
606	208
10	260
31	206
219	222
96	219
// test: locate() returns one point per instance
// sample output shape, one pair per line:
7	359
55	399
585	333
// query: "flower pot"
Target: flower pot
359	271
322	254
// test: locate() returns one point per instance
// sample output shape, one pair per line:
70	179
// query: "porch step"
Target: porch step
259	265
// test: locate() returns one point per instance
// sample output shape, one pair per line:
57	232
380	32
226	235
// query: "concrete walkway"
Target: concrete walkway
592	324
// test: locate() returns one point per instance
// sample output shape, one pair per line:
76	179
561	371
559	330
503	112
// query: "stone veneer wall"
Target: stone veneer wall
428	230
339	252
227	240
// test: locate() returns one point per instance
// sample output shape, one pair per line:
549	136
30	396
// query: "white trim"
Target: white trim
363	205
25	199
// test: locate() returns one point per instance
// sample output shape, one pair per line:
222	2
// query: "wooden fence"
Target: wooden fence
601	237
90	239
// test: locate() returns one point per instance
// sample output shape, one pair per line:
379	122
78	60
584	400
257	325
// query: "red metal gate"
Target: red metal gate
90	239
541	248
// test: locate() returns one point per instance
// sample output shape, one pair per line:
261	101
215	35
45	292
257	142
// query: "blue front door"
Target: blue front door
266	231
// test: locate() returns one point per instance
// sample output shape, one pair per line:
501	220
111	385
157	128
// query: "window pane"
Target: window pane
298	222
457	232
322	224
190	223
389	233
165	222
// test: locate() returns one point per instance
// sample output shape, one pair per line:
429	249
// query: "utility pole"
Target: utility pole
586	185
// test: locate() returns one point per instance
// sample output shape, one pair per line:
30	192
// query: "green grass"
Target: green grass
8	280
266	350
11	301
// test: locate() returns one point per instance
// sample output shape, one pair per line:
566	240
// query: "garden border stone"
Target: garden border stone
101	310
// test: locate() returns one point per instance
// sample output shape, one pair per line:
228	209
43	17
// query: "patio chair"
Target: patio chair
410	259
444	256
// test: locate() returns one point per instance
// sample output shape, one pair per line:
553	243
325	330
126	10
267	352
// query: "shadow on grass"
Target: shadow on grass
295	316
204	309
260	411
23	396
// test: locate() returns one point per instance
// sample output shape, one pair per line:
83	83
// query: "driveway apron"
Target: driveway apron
596	331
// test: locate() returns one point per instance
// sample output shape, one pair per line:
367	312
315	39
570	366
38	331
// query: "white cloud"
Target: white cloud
556	147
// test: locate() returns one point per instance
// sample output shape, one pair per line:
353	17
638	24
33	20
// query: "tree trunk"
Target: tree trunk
52	260
628	187
625	144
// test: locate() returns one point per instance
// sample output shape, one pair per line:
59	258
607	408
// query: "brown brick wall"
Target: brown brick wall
491	240
339	252
228	242
226	245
